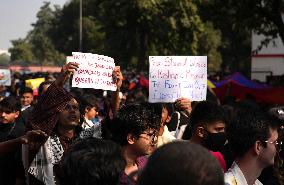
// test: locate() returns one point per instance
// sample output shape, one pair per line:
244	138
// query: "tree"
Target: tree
21	52
130	31
37	47
237	19
143	28
39	37
4	59
209	45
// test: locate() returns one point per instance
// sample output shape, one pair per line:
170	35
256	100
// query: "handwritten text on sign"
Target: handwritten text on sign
172	77
95	71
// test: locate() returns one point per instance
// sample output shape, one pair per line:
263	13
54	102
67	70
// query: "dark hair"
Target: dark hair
10	104
205	113
92	161
88	100
247	127
26	90
169	107
40	88
182	163
134	119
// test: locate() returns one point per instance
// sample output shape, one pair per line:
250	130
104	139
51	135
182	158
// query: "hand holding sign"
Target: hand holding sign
117	75
70	67
183	104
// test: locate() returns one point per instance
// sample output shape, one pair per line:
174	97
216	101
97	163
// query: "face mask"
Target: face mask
215	141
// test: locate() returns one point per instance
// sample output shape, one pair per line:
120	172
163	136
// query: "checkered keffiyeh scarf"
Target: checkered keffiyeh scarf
43	155
40	158
49	154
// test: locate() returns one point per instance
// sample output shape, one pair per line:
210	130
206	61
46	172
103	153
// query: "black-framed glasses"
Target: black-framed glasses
153	136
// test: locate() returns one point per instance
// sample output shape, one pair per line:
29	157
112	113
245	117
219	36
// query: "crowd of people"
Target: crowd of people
73	136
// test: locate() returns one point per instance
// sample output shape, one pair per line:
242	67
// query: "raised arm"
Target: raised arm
45	114
66	72
115	102
183	104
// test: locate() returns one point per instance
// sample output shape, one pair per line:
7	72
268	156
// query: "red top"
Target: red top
220	159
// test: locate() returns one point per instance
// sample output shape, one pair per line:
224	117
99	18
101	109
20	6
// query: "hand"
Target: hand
117	75
183	104
66	71
32	136
70	67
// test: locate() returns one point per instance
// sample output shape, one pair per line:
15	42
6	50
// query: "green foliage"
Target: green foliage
130	31
21	53
37	48
43	47
209	44
4	59
236	19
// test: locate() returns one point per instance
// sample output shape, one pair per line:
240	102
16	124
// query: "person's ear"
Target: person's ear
258	147
131	139
17	114
200	131
87	109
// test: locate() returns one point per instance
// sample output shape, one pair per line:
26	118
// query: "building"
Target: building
269	61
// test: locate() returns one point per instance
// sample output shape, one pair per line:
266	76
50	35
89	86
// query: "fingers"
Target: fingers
117	76
70	67
183	104
183	101
117	72
37	133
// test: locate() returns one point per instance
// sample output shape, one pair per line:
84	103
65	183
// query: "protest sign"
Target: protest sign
172	77
5	77
95	71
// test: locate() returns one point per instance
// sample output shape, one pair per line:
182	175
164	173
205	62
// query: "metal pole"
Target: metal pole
80	28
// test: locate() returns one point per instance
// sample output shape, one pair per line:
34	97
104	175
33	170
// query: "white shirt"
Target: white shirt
25	107
166	137
235	176
87	123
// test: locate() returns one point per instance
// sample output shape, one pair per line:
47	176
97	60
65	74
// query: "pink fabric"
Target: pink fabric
220	159
125	180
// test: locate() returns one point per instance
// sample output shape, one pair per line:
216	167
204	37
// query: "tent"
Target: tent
238	86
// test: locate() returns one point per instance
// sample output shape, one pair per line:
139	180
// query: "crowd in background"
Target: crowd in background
64	135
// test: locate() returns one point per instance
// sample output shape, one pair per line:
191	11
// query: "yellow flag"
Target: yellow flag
34	83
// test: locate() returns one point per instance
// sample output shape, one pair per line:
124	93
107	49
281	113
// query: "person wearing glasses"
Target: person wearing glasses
252	136
135	128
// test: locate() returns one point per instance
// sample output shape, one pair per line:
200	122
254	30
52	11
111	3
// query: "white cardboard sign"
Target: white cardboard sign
95	71
172	77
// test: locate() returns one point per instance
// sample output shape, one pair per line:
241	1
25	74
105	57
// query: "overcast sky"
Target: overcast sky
16	17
